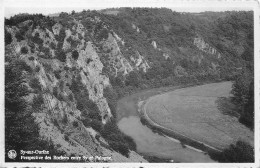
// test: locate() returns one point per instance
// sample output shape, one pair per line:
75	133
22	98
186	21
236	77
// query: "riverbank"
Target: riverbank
179	138
155	146
191	116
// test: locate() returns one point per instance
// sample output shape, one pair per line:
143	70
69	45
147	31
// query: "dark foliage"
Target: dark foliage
35	84
8	38
22	65
31	58
75	124
24	50
84	104
61	55
21	132
117	140
36	39
19	36
37	102
241	152
75	55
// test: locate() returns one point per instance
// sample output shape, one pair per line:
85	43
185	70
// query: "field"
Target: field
196	112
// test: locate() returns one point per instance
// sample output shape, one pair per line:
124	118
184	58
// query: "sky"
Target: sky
12	7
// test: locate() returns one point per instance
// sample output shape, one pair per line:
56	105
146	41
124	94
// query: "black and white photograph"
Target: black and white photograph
145	83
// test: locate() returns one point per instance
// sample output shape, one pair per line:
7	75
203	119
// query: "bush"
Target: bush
96	125
8	38
36	39
119	147
55	92
61	36
57	74
35	84
52	45
65	119
37	69
22	65
116	139
60	55
75	124
241	152
87	122
73	43
66	137
24	50
46	52
19	37
75	55
38	101
31	58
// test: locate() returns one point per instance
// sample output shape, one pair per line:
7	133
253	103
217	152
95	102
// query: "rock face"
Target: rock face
114	58
202	45
154	45
65	63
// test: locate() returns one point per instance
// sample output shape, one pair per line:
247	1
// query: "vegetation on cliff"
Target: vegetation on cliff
84	62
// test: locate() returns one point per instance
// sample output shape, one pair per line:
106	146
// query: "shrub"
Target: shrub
103	34
57	74
23	66
38	101
97	137
66	137
19	37
24	50
37	69
55	122
55	92
116	139
66	68
46	52
65	119
96	125
87	122
71	97
119	147
75	55
89	60
75	124
241	152
52	45
36	39
31	58
35	84
61	36
8	38
73	43
60	55
131	143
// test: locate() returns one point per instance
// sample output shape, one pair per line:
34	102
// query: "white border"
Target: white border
187	5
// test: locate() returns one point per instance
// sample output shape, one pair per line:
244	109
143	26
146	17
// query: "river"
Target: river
148	142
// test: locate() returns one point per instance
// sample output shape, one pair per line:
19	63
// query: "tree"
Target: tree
241	152
20	130
8	37
247	116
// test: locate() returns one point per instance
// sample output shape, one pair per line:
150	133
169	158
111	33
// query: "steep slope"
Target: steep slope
77	66
64	76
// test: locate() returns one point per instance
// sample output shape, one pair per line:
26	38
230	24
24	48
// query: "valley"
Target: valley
152	143
133	84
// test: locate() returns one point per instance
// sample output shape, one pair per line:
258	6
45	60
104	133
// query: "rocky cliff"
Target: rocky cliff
77	65
63	65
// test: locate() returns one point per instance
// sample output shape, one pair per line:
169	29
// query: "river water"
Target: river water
148	142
